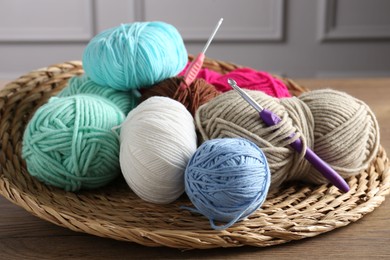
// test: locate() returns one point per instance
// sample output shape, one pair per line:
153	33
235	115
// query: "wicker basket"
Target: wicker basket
293	212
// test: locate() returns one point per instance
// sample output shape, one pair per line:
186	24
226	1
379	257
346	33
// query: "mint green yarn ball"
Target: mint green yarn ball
125	100
69	142
135	55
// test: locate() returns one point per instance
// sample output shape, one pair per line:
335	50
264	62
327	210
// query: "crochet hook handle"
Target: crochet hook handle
271	119
193	70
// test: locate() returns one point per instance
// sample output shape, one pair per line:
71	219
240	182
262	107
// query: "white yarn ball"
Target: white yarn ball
157	140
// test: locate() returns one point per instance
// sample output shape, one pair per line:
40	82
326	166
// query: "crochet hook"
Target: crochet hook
195	66
271	119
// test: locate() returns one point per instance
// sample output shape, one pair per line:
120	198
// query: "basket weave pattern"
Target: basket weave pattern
293	212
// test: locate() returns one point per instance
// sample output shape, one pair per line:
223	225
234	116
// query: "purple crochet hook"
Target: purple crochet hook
271	119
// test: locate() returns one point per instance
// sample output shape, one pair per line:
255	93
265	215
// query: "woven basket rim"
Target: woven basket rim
293	212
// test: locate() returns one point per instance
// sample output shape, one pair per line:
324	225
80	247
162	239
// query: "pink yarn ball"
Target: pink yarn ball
246	78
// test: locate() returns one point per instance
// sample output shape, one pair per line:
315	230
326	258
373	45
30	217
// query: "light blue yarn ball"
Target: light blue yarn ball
69	142
125	100
135	55
227	180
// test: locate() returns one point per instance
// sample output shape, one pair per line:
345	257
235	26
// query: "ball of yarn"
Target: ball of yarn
135	55
192	97
246	78
341	129
125	100
227	180
68	143
157	140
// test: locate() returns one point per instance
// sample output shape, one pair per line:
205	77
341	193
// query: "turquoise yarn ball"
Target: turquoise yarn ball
125	100
135	55
68	143
227	180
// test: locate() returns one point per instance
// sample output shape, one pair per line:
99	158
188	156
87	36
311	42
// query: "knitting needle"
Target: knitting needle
271	119
194	68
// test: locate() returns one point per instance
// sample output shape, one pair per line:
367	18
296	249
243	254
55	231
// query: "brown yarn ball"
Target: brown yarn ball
192	97
341	129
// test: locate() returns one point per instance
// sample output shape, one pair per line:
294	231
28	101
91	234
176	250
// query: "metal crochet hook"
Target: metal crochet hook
197	63
271	119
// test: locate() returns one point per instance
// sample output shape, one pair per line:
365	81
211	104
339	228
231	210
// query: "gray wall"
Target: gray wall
296	38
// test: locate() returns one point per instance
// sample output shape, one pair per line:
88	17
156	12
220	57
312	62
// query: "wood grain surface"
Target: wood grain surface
24	236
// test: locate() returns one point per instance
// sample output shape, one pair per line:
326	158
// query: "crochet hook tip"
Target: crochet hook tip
232	82
244	95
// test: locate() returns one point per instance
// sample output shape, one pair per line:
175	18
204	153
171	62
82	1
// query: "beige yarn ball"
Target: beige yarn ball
341	129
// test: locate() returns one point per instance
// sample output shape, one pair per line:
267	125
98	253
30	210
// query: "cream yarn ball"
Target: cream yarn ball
157	140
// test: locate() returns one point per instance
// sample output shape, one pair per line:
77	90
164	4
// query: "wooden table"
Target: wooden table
23	236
